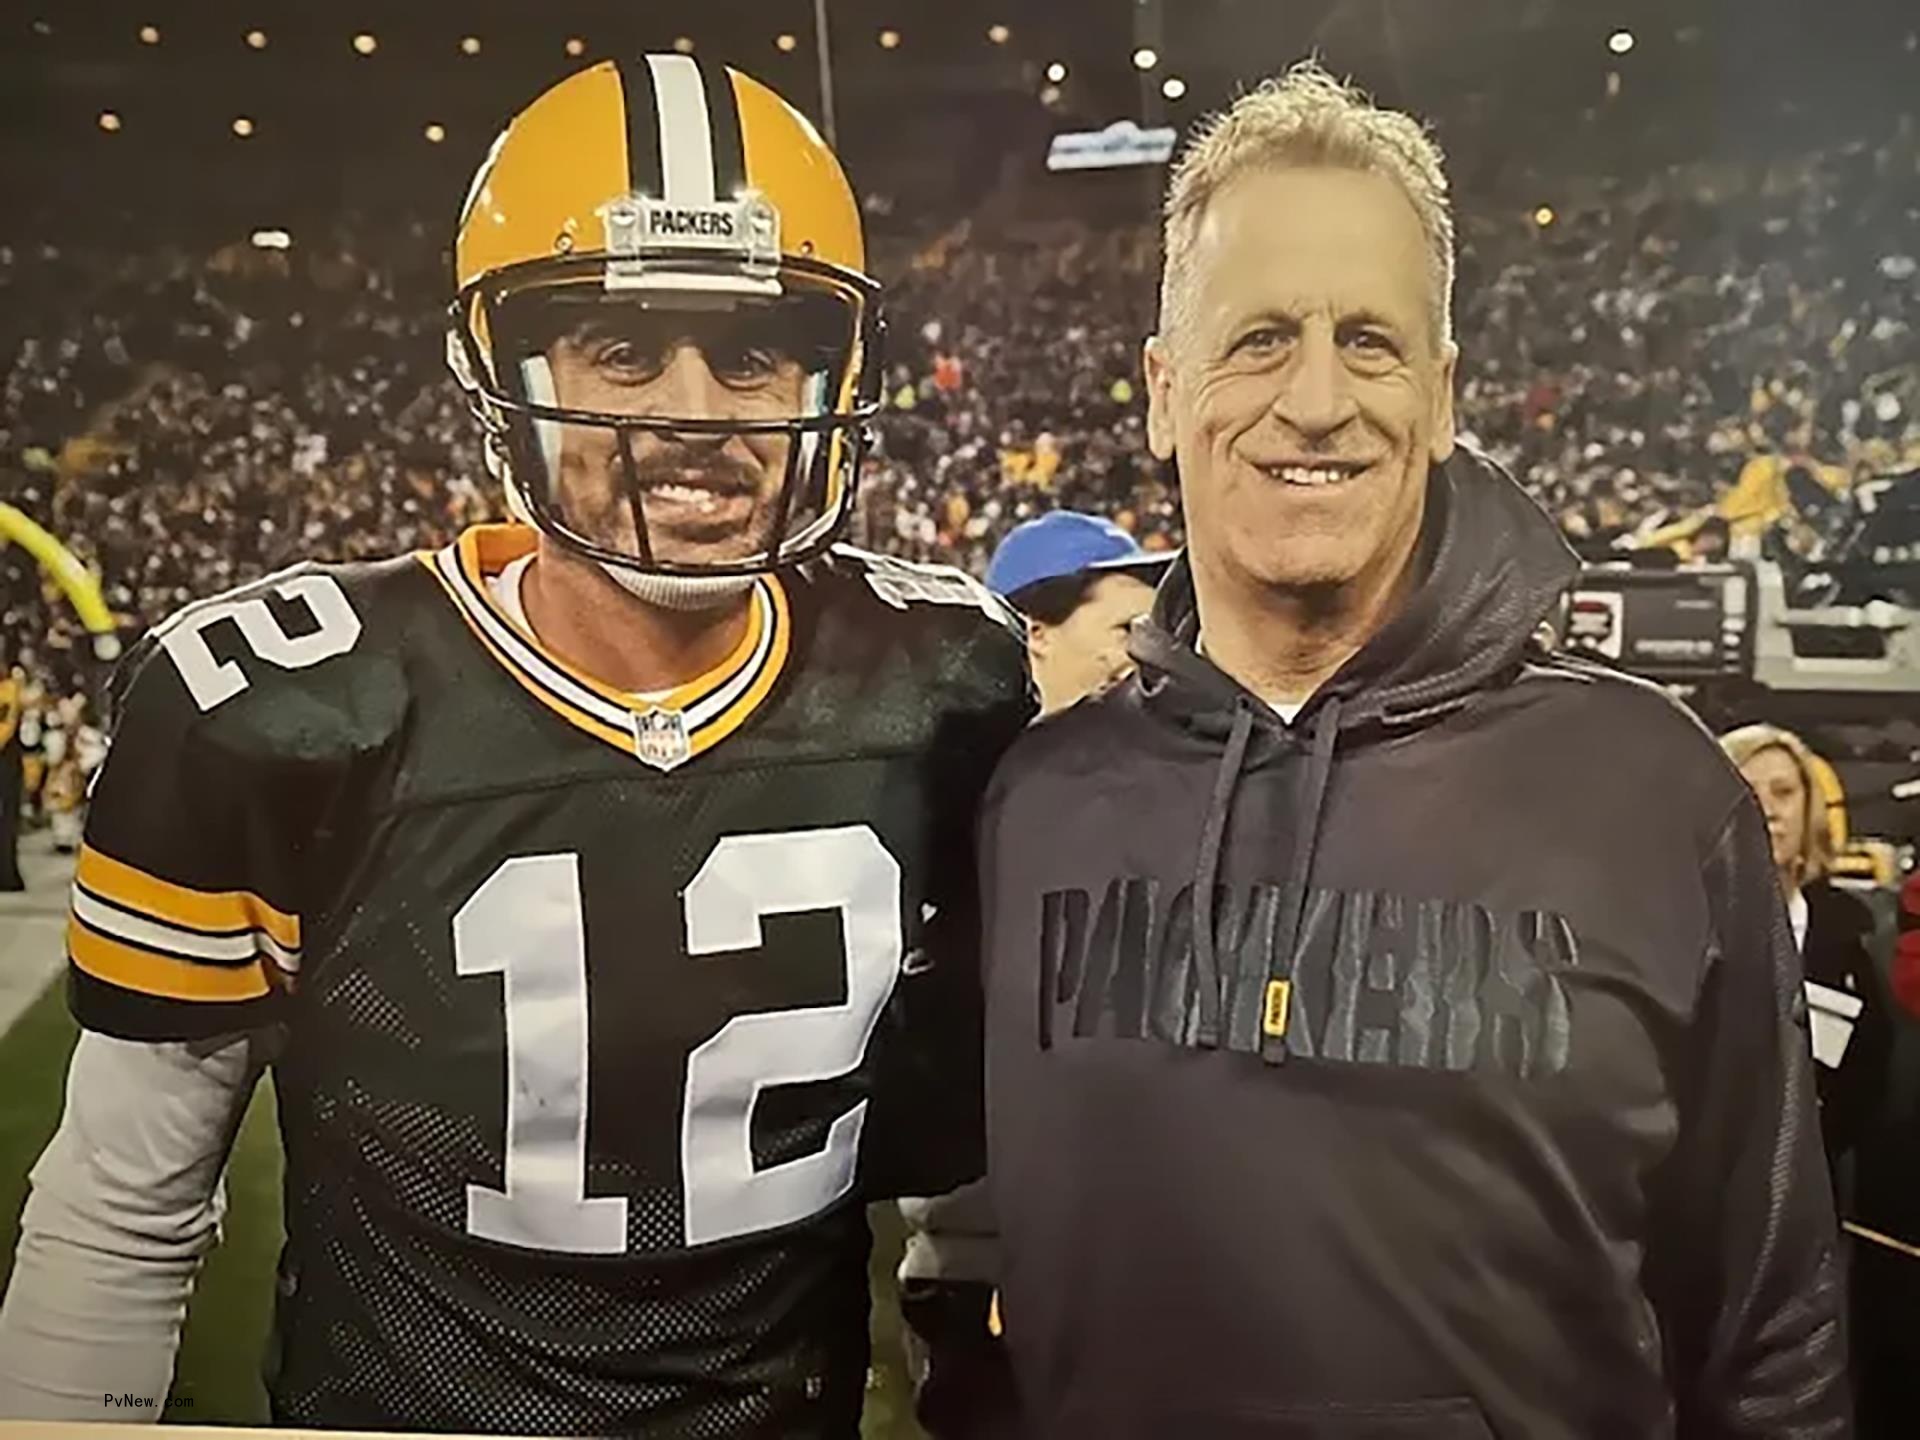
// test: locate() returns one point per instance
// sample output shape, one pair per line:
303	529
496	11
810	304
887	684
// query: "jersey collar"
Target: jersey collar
665	732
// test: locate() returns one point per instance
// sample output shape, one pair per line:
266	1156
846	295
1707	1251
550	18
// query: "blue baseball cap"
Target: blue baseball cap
1066	542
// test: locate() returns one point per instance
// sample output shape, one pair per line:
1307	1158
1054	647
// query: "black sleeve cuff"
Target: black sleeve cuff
131	1015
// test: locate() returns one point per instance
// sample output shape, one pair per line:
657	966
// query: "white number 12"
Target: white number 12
526	924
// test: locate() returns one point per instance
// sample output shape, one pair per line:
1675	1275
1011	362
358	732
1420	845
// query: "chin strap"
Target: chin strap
680	592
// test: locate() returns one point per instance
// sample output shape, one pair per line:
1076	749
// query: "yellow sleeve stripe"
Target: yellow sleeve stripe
216	912
146	933
132	968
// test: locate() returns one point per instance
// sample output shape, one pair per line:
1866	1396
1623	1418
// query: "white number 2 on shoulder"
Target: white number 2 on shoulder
213	682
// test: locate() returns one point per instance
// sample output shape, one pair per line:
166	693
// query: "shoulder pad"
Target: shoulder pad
328	625
288	663
900	583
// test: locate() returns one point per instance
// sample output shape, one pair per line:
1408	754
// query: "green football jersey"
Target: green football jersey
600	1017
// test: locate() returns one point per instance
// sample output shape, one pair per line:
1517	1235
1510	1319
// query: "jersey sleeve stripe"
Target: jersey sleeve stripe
131	929
97	901
208	912
103	915
147	972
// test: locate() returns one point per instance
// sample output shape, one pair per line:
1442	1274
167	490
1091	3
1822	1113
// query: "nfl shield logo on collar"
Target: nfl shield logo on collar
660	738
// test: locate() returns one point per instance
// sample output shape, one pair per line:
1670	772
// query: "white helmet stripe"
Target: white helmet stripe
686	133
481	175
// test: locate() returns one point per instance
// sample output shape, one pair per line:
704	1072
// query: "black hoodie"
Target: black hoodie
1432	1066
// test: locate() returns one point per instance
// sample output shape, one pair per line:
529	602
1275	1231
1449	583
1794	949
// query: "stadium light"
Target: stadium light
435	134
365	44
1543	217
1173	87
256	39
109	122
1145	58
785	44
1057	73
576	47
1620	42
470	45
683	44
149	35
998	34
271	240
889	39
243	127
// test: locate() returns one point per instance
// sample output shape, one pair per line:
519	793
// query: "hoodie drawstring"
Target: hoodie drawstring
1207	1027
1293	900
1213	834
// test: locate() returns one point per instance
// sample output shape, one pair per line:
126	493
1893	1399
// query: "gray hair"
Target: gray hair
1306	117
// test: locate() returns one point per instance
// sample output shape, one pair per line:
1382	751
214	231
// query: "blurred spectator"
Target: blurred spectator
1906	959
1885	1290
72	750
1080	581
1852	1034
12	777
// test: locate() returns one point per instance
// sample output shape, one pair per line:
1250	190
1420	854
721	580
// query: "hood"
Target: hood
1493	566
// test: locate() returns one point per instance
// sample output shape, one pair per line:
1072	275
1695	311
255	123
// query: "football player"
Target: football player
598	889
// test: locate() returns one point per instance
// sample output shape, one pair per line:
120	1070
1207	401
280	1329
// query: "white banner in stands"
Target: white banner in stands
1121	143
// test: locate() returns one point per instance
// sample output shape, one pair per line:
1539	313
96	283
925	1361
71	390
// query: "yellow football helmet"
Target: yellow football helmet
683	204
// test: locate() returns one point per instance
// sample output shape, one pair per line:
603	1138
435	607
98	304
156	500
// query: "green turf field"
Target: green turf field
218	1377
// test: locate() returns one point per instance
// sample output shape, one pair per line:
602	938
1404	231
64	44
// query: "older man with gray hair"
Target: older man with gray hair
1392	1025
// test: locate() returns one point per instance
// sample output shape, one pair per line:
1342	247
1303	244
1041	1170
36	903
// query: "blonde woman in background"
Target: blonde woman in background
1851	1035
1831	927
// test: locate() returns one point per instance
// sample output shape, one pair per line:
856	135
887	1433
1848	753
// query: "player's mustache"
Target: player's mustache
708	469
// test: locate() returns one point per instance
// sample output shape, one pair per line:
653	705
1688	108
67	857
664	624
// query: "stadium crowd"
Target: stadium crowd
186	423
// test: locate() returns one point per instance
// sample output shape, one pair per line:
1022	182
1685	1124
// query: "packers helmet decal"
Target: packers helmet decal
633	216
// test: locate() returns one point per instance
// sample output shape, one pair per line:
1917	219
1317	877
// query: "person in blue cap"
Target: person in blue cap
1080	581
